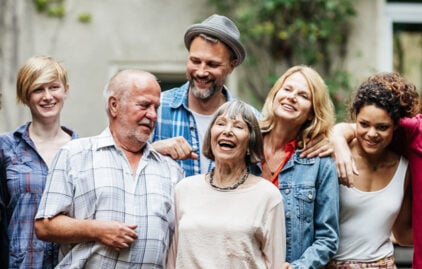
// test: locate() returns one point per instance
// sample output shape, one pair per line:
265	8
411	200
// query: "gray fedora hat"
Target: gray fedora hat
221	28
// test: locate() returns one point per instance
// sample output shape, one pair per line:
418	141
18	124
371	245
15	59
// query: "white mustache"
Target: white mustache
146	121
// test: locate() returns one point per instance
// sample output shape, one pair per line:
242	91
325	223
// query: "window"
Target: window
403	40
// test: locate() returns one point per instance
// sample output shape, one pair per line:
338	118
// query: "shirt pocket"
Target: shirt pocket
305	197
25	175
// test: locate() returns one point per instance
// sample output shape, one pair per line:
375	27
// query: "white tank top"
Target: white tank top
366	219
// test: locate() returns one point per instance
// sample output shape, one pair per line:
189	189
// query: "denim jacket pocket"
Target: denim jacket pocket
305	201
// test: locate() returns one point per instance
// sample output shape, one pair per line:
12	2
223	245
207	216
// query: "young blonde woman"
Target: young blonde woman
297	109
25	156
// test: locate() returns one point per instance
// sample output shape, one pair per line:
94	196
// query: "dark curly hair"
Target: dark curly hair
388	91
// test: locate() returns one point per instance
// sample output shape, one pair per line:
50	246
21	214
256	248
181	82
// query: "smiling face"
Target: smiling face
293	101
208	65
229	139
374	129
134	111
46	101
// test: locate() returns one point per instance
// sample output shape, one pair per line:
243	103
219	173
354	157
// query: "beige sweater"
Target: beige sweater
242	228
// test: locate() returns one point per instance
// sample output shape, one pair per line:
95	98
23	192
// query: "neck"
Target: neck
373	161
206	106
47	131
277	139
226	175
241	180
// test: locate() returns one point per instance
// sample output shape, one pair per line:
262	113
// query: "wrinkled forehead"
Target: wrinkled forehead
232	113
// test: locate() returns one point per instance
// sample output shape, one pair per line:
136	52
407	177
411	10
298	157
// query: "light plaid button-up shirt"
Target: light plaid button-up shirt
92	179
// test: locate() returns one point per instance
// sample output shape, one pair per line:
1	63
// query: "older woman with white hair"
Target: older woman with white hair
229	218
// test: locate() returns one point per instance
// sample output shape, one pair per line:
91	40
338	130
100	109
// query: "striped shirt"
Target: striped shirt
23	184
92	179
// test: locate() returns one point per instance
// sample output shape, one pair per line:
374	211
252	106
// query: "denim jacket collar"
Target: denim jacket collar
297	159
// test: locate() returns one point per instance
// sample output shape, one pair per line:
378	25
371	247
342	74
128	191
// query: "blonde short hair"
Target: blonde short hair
322	106
36	71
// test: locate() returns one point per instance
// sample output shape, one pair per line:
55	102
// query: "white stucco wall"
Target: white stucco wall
134	34
122	34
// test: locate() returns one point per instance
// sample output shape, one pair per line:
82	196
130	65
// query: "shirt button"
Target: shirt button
287	191
288	215
310	196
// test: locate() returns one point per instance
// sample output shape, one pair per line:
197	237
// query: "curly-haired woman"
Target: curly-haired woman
377	201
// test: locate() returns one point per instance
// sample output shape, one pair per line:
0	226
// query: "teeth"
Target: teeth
48	105
226	144
288	107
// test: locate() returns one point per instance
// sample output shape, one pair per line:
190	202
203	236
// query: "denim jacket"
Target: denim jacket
311	203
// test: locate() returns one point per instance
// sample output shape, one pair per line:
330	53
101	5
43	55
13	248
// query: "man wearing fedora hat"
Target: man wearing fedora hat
215	51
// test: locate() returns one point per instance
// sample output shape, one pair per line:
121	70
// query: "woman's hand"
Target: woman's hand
319	146
342	135
286	265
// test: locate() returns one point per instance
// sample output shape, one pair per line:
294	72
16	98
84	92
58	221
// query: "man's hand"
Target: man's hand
66	230
319	146
177	148
115	234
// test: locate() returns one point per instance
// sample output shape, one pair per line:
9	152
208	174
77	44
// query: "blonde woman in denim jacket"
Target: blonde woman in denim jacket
297	109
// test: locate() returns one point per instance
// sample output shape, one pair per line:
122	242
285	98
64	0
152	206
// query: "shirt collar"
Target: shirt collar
106	140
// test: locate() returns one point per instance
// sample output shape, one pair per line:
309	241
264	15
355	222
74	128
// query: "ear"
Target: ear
112	106
232	65
66	90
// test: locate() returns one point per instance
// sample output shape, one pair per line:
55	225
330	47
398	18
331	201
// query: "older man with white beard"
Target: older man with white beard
108	199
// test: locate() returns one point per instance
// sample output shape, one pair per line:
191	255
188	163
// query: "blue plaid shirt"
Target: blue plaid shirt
25	174
176	119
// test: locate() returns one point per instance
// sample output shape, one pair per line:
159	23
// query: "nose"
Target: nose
202	70
372	132
151	113
228	129
292	95
47	94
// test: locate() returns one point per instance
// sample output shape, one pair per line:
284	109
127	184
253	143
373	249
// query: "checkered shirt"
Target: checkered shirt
175	119
92	179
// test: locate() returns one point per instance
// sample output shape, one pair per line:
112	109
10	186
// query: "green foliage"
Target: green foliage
56	9
291	32
85	17
52	8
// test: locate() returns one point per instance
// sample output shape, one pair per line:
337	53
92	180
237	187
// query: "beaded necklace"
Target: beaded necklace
237	184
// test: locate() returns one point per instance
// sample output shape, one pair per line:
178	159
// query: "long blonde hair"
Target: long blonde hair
322	106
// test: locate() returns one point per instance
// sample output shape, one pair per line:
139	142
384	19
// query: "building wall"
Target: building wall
122	34
132	34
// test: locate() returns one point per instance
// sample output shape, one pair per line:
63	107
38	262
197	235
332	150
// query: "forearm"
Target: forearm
402	229
343	130
65	230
